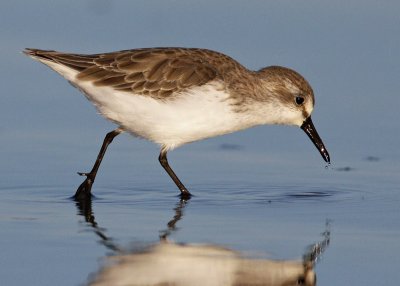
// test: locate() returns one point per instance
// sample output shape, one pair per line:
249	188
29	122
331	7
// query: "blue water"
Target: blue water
264	192
266	211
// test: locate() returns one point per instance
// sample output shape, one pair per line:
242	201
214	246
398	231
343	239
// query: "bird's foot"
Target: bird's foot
185	195
84	190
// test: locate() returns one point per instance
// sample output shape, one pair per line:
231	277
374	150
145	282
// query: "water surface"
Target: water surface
47	234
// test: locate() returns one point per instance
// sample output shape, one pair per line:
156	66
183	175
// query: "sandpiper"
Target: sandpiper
173	96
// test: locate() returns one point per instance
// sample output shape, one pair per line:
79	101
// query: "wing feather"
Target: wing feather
157	72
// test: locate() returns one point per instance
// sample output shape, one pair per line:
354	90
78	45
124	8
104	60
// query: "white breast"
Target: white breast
199	113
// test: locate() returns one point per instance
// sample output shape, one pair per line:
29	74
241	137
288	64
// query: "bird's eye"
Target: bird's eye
299	100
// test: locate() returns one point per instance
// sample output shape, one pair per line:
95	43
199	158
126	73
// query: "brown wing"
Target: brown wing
157	72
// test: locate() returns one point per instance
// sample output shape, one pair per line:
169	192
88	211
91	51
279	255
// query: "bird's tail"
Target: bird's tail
54	59
40	55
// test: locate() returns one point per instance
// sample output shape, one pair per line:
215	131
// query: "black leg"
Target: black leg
84	189
164	162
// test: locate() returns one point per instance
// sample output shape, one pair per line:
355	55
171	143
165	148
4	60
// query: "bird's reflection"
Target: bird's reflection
85	209
168	263
171	225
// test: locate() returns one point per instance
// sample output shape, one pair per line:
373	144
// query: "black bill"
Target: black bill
309	129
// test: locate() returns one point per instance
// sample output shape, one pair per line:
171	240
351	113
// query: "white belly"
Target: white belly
200	113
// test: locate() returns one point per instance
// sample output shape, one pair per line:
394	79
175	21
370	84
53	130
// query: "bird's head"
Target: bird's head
293	100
